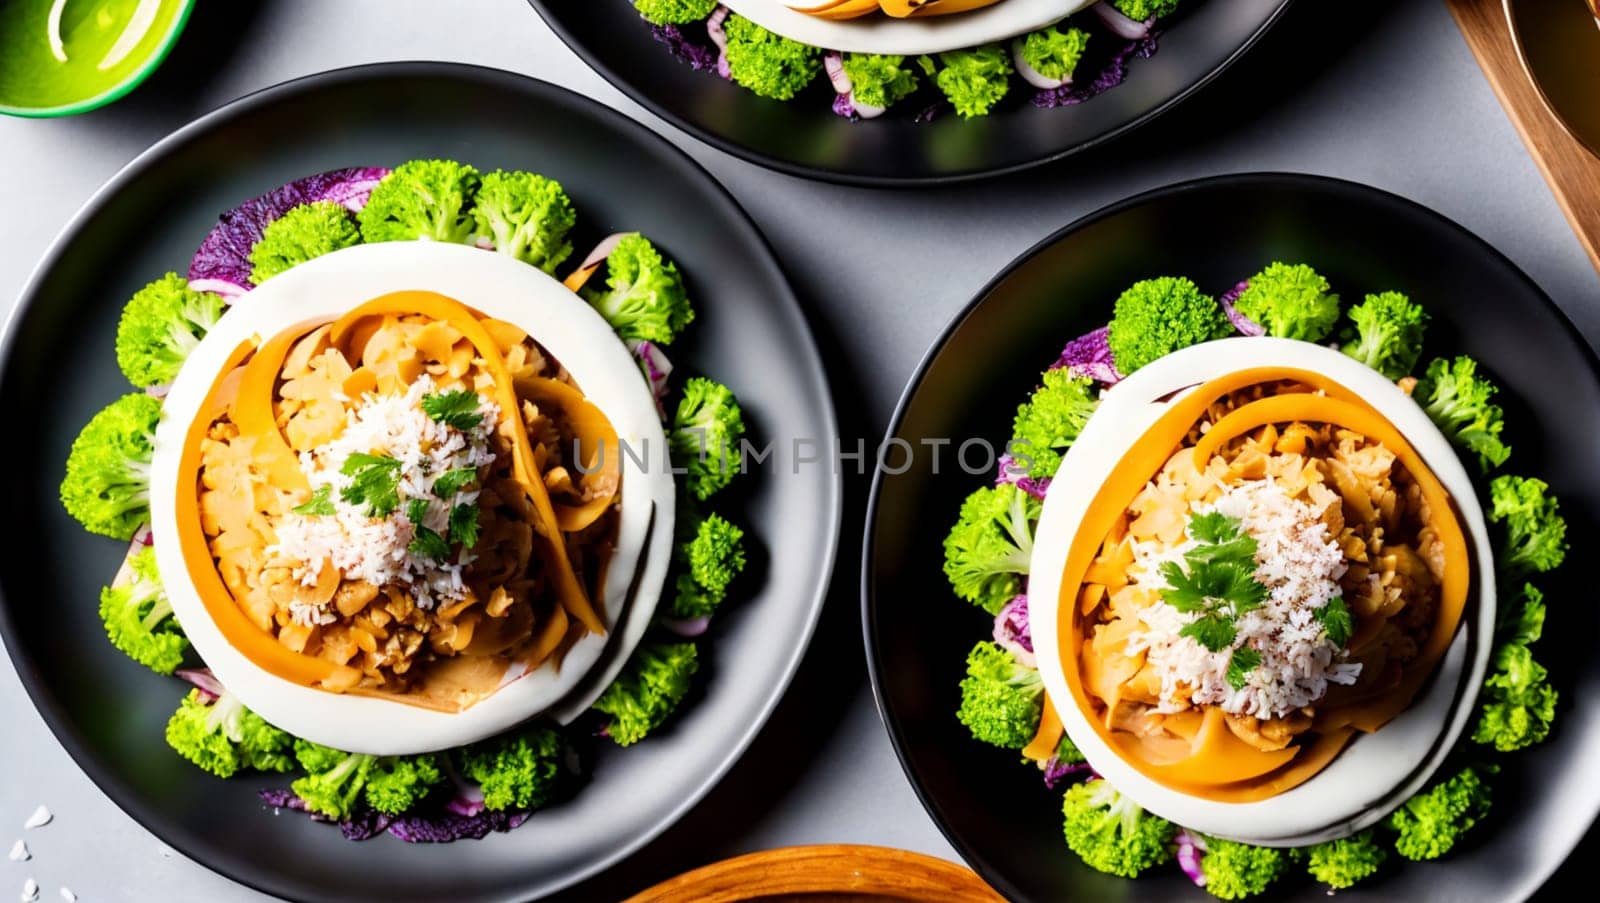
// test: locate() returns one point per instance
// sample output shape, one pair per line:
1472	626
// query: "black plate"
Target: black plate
59	368
1217	231
804	138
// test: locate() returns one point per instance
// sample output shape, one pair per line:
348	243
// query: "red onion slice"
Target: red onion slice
203	680
692	627
1112	18
1031	75
599	254
1188	857
719	37
833	64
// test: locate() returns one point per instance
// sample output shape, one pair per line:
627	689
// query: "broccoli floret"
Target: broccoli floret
1521	618
305	232
162	324
645	299
714	557
1111	833
706	432
1054	53
1144	10
1536	533
527	216
991	545
878	80
1458	400
1519	703
107	484
224	737
674	12
1341	863
974	80
1156	317
1234	871
1385	333
516	771
1431	822
1068	753
768	64
421	199
1050	420
1001	699
337	782
138	617
1290	301
648	690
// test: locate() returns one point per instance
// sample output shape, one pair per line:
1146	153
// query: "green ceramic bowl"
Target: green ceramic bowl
106	54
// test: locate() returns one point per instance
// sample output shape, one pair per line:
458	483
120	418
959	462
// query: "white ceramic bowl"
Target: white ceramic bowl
883	34
572	331
1375	772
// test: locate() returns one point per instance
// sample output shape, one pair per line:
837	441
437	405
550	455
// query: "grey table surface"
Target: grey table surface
1393	100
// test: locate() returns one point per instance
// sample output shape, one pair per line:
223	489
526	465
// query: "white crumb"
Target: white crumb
19	851
40	817
68	895
30	891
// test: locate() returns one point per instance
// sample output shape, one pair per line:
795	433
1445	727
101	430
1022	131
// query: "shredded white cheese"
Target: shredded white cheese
375	549
1300	564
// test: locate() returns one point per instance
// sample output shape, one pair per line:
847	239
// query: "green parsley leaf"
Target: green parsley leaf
375	482
417	510
1240	664
457	408
320	503
1215	528
427	543
453	481
1242	591
1184	591
1336	621
1213	631
464	525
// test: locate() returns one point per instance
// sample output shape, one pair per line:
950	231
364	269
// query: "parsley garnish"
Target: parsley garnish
416	510
321	502
1243	661
453	481
1336	621
375	482
464	525
427	543
457	408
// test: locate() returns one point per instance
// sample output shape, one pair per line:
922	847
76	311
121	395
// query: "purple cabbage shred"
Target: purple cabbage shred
843	107
1011	630
1056	771
439	826
1010	473
1244	324
700	57
1090	355
1111	75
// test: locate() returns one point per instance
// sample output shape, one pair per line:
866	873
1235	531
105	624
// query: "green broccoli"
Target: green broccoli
1050	420
974	80
879	81
1342	863
1431	822
1054	53
1385	333
1521	617
527	216
337	782
991	545
138	617
1068	753
768	64
1156	317
1111	833
674	12
706	432
520	770
714	557
1518	702
1145	10
1001	699
161	326
1234	871
107	484
645	299
223	737
648	690
1290	301
421	199
1536	533
305	232
1457	399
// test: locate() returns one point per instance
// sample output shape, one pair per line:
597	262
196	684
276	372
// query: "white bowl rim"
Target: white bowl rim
908	37
501	287
1375	772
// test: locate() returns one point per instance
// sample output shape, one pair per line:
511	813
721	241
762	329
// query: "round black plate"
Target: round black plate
59	369
804	138
1217	231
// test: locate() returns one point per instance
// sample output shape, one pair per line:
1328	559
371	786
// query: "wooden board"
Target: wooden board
1572	172
826	873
